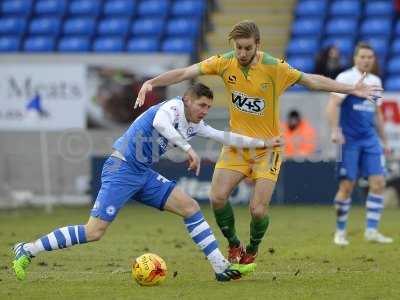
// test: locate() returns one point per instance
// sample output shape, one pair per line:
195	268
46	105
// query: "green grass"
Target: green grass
297	259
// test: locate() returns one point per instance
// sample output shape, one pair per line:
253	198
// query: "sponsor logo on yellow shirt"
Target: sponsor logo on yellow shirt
247	103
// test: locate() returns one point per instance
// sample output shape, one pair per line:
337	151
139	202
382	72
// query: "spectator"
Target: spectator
300	136
328	62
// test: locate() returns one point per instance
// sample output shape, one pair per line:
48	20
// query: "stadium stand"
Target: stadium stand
102	25
39	44
16	7
84	8
73	44
148	27
9	44
79	26
177	26
144	44
311	8
318	24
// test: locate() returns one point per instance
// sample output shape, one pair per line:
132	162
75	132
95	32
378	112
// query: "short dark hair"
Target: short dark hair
294	114
245	29
198	90
363	45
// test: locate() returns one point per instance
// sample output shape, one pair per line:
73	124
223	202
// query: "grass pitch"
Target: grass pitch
297	259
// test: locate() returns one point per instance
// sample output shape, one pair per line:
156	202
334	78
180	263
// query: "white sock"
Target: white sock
218	261
60	238
34	248
202	235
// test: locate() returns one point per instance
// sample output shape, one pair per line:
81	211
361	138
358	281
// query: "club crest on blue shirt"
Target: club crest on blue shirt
190	131
110	210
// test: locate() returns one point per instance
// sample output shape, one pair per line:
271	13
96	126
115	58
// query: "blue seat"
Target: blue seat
158	8
393	65
50	7
392	83
113	26
85	7
379	8
397	28
302	63
183	27
303	46
188	8
143	45
395	47
9	43
311	8
39	44
108	44
148	26
341	26
345	8
307	26
79	26
376	26
119	8
44	26
382	64
74	44
178	45
379	44
343	43
13	25
16	7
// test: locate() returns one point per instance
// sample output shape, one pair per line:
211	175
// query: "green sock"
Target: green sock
258	228
226	222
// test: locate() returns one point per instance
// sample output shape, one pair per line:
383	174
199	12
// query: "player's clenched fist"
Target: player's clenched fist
194	161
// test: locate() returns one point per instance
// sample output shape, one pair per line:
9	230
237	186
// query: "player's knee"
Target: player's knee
218	198
377	186
190	208
258	211
345	189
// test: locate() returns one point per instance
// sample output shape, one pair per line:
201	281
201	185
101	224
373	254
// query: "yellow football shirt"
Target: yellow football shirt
254	91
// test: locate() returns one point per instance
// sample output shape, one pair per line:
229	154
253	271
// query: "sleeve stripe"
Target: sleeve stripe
298	79
199	68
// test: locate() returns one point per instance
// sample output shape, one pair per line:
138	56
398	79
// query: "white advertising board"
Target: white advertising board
42	96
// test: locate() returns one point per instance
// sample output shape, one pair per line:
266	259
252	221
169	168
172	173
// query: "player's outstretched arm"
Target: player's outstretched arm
360	89
167	78
238	140
332	113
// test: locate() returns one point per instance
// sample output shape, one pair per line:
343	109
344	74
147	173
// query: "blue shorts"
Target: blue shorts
121	182
360	160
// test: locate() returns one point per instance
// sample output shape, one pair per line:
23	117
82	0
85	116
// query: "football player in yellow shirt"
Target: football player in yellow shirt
254	80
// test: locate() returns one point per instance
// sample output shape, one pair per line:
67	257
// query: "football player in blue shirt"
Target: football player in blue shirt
359	131
127	174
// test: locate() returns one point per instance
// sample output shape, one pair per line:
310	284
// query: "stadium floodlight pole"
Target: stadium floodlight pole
46	171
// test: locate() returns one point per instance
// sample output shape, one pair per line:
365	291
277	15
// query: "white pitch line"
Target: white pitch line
314	272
